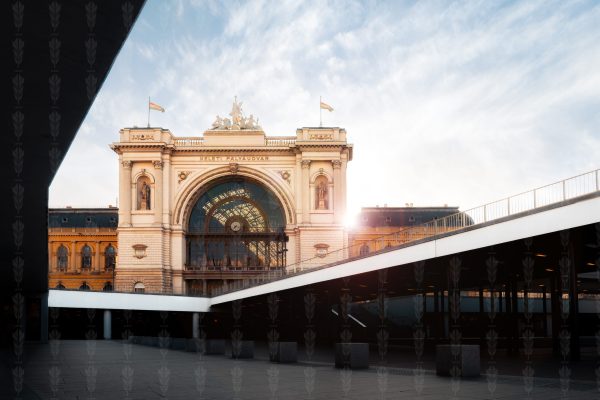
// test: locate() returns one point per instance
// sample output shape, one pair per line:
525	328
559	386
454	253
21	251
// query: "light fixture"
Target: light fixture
540	255
549	270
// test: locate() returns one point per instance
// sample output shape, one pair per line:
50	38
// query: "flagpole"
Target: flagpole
320	113
148	111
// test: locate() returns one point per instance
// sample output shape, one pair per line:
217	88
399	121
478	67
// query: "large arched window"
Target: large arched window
110	255
108	287
236	224
84	286
60	286
62	256
86	257
364	249
139	287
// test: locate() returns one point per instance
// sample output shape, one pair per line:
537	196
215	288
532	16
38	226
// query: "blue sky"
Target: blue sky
457	103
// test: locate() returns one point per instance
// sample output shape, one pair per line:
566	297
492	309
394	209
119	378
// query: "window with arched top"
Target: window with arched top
108	287
364	249
62	258
110	255
139	287
321	193
84	286
86	257
144	193
59	286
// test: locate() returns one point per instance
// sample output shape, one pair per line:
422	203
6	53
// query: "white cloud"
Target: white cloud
459	104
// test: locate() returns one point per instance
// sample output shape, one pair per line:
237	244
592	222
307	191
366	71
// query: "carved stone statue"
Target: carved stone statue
322	196
237	121
237	116
145	197
218	123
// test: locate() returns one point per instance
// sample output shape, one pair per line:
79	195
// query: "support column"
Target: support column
97	261
125	194
436	314
107	325
158	191
44	318
72	258
337	191
342	189
555	311
576	260
166	189
545	311
305	191
196	325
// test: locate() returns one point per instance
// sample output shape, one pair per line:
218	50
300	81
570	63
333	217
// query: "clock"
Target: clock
235	226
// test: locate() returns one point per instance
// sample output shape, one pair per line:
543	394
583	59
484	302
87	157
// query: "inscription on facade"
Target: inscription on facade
321	136
234	158
141	136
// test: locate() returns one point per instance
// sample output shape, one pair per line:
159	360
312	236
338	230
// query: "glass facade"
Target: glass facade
236	224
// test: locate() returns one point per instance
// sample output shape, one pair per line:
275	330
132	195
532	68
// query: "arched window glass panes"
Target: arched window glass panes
110	254
139	287
62	255
237	224
86	257
84	286
364	249
108	287
60	286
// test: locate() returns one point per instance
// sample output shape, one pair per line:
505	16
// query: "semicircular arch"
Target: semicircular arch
188	196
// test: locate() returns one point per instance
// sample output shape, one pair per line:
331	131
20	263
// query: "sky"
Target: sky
458	103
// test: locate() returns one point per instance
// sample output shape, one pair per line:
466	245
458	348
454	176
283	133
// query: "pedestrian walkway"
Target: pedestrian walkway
115	370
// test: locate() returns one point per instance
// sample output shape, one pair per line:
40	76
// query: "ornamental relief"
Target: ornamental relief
142	136
182	176
285	175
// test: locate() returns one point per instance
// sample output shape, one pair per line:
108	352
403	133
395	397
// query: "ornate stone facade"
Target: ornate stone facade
82	248
228	205
375	226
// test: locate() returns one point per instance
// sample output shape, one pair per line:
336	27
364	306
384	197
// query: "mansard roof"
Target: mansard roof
83	217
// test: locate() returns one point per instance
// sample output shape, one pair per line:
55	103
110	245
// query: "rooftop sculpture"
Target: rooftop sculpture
238	120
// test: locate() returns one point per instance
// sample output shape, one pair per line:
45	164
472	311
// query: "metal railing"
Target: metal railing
543	196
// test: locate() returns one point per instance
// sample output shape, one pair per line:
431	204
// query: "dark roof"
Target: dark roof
83	217
401	216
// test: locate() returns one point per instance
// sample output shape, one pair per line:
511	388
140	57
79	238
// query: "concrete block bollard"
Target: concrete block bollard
353	355
467	359
215	347
242	349
285	352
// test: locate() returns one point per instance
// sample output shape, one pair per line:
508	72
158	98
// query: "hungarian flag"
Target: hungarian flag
154	106
326	106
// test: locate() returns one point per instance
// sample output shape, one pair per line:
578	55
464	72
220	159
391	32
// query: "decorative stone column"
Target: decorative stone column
337	191
342	188
166	188
125	194
305	191
158	191
97	260
72	259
